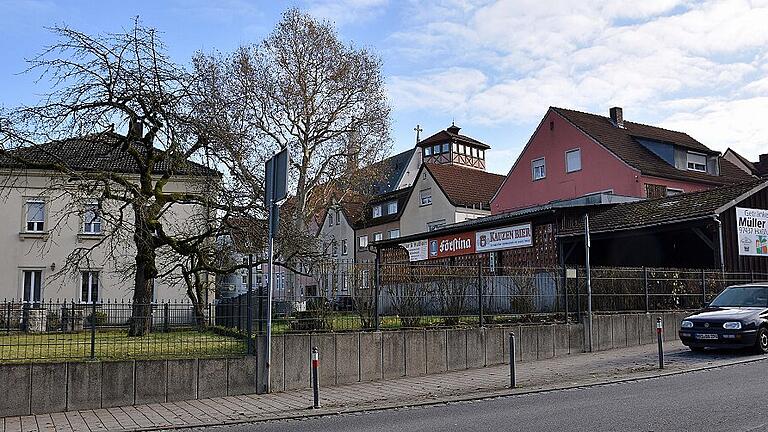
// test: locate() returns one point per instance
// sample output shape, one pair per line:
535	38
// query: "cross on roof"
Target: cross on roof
418	129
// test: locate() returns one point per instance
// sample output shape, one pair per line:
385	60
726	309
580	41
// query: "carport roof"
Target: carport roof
668	210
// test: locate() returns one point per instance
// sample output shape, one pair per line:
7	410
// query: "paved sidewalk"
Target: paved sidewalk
570	371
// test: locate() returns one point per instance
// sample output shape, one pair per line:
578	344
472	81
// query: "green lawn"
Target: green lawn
116	345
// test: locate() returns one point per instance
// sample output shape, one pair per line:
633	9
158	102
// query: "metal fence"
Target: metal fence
62	330
360	296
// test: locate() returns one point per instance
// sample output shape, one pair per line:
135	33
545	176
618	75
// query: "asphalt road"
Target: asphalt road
731	398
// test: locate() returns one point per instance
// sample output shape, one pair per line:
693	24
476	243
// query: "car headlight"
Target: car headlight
686	324
732	325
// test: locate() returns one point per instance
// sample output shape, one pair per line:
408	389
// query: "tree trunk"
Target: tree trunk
146	272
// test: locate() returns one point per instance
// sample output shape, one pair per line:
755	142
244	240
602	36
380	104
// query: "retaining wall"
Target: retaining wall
344	358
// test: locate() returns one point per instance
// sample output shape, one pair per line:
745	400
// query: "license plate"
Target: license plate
706	336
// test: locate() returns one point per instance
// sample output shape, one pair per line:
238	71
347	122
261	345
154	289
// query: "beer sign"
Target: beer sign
452	245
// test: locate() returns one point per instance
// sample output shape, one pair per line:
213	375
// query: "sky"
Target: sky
492	67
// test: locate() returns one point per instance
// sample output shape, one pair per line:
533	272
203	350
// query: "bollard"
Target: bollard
659	330
315	378
512	368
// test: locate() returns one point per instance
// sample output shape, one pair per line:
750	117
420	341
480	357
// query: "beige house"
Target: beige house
48	218
446	194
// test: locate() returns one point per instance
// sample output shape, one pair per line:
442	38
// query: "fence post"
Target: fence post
480	292
377	270
239	312
315	378
93	329
660	340
166	317
512	366
564	283
703	288
8	321
578	297
647	295
249	305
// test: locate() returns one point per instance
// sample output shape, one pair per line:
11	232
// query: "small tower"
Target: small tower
448	147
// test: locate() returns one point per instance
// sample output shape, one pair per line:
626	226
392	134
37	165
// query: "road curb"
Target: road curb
479	396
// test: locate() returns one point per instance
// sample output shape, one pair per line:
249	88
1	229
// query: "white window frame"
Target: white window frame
568	169
362	241
428	151
394	233
482	154
36	278
94	225
534	165
37	225
436	149
693	165
424	199
377	211
455	147
344	250
377	237
446	148
392	207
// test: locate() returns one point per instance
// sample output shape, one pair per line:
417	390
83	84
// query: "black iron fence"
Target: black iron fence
62	330
360	296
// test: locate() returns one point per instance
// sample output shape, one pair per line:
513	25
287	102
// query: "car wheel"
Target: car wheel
697	349
761	344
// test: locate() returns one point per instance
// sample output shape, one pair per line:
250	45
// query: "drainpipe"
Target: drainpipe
720	241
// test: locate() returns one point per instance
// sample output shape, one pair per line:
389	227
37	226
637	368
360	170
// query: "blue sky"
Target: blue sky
492	66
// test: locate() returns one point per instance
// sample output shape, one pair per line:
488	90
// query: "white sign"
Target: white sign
504	238
752	228
417	250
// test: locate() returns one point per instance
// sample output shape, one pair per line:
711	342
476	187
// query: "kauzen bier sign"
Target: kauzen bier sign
504	238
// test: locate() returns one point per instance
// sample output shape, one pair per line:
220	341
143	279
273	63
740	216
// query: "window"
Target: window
425	197
427	151
35	215
463	149
674	191
330	219
89	283
32	286
573	160
377	211
245	279
392	207
431	226
338	217
455	147
334	248
344	247
436	149
482	154
473	152
362	241
697	162
395	233
364	275
446	148
377	237
539	169
91	219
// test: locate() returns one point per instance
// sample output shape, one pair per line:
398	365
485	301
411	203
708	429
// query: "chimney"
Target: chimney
762	165
617	117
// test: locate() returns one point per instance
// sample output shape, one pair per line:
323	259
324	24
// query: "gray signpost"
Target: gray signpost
276	191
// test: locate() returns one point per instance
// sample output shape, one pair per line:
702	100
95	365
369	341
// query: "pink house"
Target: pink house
573	154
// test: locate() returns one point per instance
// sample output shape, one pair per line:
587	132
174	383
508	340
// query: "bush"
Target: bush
101	318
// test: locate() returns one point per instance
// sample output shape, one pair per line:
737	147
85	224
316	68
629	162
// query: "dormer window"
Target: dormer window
392	207
377	211
697	162
446	148
427	151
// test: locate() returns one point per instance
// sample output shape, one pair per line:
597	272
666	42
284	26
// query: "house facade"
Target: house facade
47	218
573	154
759	168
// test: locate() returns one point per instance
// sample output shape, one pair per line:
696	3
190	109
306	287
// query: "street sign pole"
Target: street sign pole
276	190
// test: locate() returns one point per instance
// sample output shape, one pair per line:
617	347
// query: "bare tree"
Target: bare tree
303	89
142	115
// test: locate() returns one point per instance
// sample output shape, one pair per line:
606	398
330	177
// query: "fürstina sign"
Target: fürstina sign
453	245
752	228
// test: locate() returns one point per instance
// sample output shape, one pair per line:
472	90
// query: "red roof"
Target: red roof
622	142
466	187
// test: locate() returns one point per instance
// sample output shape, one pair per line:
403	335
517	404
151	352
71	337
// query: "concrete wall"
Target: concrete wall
344	358
54	387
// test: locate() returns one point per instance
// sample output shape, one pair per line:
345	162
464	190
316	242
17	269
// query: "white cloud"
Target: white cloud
344	12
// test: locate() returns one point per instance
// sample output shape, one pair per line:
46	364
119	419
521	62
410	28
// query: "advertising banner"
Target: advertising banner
417	250
453	245
752	228
510	237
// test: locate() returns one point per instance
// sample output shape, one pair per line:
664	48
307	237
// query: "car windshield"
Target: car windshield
748	296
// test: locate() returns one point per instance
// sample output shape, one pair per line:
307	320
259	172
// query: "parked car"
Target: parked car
737	318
